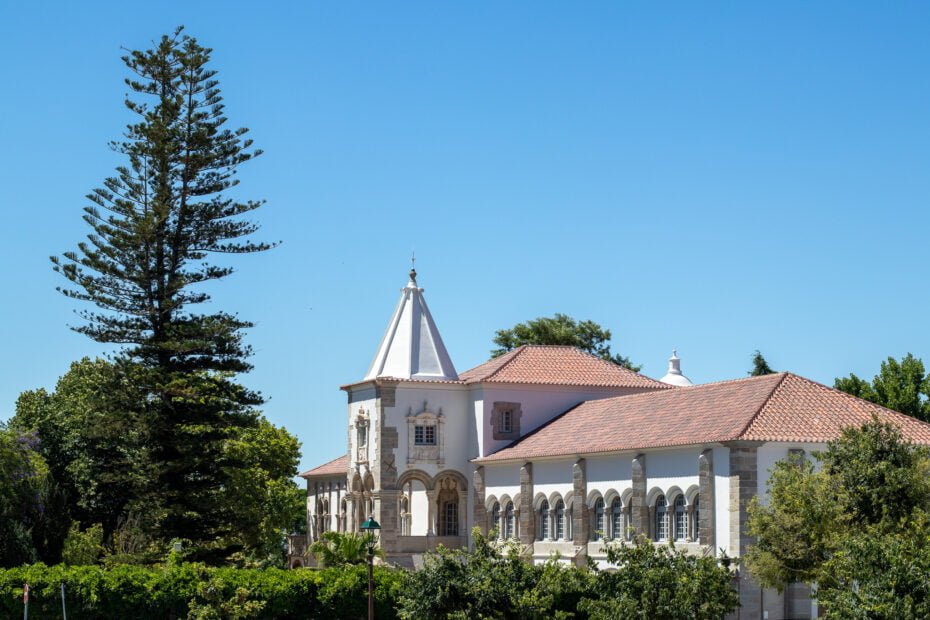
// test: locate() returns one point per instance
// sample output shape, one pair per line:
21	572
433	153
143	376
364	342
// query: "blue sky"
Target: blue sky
712	177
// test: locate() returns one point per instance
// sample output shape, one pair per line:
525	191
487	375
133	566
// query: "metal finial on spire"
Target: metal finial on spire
413	271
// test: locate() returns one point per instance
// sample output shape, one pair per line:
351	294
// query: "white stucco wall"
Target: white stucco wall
453	403
538	403
609	473
501	480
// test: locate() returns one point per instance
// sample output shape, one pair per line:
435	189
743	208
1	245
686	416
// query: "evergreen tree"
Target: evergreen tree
154	225
760	366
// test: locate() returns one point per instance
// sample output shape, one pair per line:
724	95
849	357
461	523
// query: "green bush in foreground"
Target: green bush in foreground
197	592
651	582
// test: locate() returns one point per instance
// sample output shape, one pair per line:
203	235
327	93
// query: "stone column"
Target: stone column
386	505
385	469
463	513
580	518
707	521
639	510
527	525
480	512
744	485
431	499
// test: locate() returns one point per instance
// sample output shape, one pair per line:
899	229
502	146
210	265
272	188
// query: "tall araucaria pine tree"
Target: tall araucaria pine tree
155	225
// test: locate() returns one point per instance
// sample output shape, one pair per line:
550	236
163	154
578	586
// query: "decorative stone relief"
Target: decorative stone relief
426	438
362	430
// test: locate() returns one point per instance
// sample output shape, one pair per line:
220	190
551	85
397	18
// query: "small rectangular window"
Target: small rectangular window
424	435
506	421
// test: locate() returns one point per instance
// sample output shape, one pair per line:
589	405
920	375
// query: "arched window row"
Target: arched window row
672	517
553	521
610	522
504	520
677	520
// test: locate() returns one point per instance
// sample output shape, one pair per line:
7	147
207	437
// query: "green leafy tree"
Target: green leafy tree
856	525
83	547
760	366
97	446
457	583
495	581
96	442
262	497
560	329
900	385
154	226
881	574
23	495
799	527
659	582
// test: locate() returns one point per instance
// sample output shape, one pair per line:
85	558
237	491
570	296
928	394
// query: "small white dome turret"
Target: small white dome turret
674	376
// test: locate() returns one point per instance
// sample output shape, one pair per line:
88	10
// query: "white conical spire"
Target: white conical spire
674	376
411	347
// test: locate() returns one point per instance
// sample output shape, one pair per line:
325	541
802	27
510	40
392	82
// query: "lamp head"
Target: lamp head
370	525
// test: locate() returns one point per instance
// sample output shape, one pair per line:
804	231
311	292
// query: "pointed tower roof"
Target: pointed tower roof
411	347
674	376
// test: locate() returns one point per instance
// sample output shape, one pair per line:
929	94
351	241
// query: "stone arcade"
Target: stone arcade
561	450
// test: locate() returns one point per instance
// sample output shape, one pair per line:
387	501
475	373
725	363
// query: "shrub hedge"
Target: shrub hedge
197	591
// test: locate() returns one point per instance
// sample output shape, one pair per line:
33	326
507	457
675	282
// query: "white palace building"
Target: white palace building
561	450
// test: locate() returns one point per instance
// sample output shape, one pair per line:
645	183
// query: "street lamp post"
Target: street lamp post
371	527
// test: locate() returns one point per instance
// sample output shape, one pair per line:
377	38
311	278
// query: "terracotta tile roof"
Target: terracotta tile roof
336	466
556	365
778	407
804	410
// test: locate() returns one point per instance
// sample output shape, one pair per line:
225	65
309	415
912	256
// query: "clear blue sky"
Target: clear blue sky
712	177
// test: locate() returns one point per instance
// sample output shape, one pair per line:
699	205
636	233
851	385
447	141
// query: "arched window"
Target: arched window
617	530
681	518
661	518
496	519
696	520
597	533
544	520
559	520
343	510
510	522
450	522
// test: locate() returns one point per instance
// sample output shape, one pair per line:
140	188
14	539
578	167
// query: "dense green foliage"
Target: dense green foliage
100	460
658	582
197	591
24	496
560	329
759	366
857	526
496	582
900	385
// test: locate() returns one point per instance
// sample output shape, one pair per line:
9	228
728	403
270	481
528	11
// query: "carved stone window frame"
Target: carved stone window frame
497	417
435	453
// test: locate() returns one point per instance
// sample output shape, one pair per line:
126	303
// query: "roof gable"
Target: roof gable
556	365
339	465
